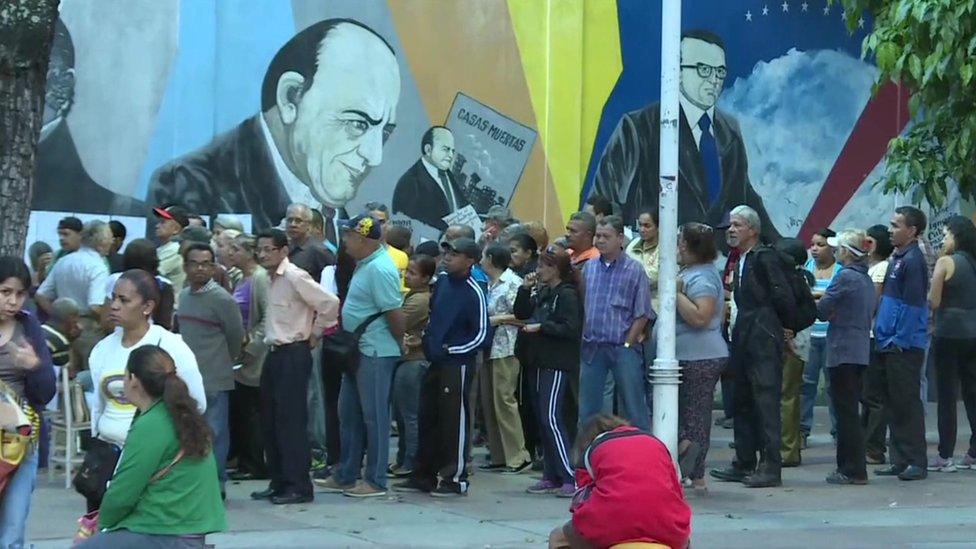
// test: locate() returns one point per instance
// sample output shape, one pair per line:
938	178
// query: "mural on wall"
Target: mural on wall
342	103
713	168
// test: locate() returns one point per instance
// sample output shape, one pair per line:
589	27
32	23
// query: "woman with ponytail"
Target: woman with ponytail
134	300
164	492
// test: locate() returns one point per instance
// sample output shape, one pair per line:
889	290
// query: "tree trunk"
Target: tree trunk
26	33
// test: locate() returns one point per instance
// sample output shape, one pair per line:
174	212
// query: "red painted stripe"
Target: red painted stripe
883	118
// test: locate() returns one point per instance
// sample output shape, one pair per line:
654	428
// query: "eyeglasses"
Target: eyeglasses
705	71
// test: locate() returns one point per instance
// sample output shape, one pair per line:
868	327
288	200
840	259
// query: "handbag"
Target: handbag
96	470
19	429
341	349
88	523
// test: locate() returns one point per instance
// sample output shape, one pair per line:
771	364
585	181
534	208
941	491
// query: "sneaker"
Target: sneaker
875	459
544	487
941	465
567	490
412	485
450	490
840	478
332	486
396	471
968	462
363	489
492	467
526	465
321	474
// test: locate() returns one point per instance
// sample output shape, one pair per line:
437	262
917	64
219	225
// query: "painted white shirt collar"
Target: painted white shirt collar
296	189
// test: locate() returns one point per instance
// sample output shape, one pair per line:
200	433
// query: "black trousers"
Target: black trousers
874	418
844	388
284	417
757	355
331	383
900	374
527	397
551	387
955	363
445	423
246	434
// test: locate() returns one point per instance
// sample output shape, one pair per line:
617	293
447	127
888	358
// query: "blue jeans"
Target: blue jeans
15	505
364	421
811	380
627	366
406	405
218	417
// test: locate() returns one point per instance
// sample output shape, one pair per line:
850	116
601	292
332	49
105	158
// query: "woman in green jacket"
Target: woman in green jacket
165	491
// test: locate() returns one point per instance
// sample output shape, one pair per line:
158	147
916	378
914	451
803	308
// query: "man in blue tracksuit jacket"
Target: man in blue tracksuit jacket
457	331
900	332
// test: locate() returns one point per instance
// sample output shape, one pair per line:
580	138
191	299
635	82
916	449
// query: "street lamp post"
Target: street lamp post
665	374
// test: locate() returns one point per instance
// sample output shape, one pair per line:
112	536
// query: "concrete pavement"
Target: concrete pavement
806	512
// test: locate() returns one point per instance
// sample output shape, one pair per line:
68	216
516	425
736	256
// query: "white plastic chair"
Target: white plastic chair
64	426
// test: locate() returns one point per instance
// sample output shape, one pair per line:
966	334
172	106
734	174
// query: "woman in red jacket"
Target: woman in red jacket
628	490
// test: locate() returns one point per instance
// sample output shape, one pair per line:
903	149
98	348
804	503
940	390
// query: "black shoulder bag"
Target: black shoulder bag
341	349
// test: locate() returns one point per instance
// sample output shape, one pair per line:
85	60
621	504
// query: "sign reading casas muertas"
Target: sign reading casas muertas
492	151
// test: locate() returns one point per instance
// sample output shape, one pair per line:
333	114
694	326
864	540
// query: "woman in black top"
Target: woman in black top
553	315
953	300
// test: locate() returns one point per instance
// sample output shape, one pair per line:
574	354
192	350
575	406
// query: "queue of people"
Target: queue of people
215	339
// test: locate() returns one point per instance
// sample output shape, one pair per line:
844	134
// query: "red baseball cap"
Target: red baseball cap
175	213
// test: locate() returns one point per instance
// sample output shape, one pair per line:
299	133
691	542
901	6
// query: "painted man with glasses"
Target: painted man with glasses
713	170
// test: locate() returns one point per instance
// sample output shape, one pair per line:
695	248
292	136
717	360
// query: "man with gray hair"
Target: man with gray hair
82	275
765	302
310	256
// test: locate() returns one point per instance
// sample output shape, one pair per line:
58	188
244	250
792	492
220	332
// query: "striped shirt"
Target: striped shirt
617	294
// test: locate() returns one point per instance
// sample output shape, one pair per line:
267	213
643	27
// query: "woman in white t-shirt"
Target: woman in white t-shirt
141	254
133	301
872	412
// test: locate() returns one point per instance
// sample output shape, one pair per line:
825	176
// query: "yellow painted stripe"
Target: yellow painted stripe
570	53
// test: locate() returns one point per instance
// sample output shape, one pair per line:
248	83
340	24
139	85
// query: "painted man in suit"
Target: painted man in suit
63	184
428	191
328	105
713	170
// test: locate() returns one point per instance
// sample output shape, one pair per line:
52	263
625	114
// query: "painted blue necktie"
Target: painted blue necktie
709	154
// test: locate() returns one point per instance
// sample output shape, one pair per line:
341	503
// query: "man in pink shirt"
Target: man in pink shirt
299	310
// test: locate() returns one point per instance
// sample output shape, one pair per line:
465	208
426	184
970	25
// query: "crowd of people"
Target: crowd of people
294	355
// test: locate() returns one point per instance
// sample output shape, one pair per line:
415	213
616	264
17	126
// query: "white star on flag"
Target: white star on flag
785	6
748	16
827	9
860	23
765	10
804	6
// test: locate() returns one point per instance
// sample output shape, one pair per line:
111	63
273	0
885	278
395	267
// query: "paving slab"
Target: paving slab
938	513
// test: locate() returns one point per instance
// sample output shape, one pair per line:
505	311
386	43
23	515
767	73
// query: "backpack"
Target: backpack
805	313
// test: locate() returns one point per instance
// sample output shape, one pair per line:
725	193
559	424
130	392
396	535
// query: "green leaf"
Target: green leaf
915	67
887	56
966	73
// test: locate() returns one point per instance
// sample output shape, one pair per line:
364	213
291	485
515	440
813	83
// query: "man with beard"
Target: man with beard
765	300
328	105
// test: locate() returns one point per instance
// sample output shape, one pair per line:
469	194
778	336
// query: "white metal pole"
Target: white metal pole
665	375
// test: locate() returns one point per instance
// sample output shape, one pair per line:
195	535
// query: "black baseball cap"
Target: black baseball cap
463	246
174	213
71	223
